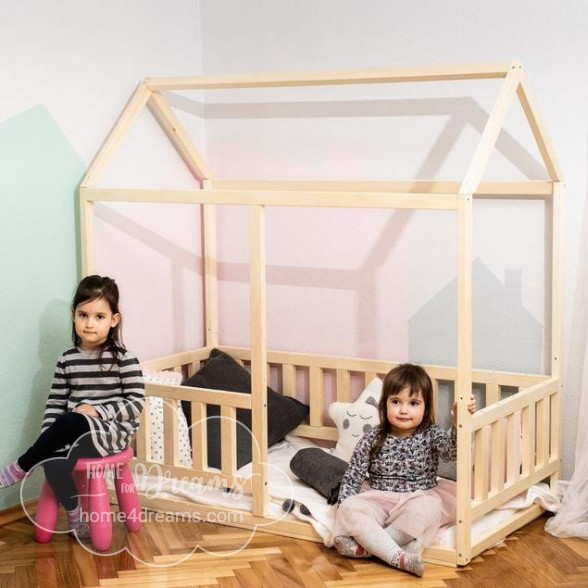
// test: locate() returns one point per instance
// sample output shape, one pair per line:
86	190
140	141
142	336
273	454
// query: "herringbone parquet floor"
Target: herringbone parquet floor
529	558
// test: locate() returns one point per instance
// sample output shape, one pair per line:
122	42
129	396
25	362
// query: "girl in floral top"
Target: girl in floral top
405	505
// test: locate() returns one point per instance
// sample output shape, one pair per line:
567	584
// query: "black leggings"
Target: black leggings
65	430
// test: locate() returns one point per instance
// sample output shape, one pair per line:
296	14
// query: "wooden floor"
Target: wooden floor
529	558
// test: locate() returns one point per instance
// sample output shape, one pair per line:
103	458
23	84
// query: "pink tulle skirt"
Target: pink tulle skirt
420	514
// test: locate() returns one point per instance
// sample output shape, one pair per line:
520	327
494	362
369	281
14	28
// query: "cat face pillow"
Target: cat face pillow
353	419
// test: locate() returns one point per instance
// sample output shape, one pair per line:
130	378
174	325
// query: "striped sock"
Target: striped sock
80	528
379	542
349	547
74	517
11	474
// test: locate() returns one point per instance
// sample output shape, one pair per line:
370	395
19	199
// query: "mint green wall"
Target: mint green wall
39	174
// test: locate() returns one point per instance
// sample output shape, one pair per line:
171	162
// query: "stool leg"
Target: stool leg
128	501
99	514
46	517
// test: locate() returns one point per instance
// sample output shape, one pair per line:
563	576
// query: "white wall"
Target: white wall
68	67
83	59
285	134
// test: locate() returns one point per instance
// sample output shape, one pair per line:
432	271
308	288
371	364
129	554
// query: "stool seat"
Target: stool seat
115	459
90	477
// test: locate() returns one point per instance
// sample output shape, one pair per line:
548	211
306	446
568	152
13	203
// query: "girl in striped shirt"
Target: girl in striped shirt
95	401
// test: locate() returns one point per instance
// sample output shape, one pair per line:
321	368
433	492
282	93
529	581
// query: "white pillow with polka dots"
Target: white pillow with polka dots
353	419
156	419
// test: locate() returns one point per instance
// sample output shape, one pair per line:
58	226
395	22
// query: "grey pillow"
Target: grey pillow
222	372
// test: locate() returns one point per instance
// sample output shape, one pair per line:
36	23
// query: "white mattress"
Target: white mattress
283	485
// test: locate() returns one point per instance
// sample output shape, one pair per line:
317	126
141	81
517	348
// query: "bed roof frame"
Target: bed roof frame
408	194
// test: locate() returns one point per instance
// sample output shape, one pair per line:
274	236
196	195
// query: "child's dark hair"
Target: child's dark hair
92	288
415	378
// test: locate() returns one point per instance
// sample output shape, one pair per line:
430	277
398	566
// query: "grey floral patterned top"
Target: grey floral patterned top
405	464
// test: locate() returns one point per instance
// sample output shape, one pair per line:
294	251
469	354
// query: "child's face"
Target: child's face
93	321
405	412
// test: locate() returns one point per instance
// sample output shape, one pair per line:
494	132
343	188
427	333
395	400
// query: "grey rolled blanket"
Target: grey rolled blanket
320	470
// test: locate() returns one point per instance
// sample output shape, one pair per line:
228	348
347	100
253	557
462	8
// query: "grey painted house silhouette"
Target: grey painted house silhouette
507	337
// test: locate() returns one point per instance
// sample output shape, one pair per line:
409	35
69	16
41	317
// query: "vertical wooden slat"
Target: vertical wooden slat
257	311
528	440
144	432
192	368
498	456
435	399
369	376
343	386
170	432
199	437
543	441
513	440
228	430
288	380
316	397
492	394
555	429
481	464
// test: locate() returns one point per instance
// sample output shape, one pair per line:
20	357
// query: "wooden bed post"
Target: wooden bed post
210	271
463	383
257	306
87	256
557	218
96	170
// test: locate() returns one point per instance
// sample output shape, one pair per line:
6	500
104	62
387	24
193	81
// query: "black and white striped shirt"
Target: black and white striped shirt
113	387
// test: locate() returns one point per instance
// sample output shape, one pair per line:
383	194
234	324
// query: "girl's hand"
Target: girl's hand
86	409
471	409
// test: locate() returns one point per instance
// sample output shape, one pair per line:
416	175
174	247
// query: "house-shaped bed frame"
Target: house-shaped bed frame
523	430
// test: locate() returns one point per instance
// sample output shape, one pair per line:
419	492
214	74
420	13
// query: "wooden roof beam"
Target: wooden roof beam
115	138
178	137
337	77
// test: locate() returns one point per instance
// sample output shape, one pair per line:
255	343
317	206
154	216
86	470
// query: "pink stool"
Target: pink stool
90	477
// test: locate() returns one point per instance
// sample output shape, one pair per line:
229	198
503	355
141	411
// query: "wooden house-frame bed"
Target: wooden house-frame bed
524	428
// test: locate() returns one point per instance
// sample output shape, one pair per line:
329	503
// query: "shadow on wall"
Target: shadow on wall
506	335
54	328
181	261
461	113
